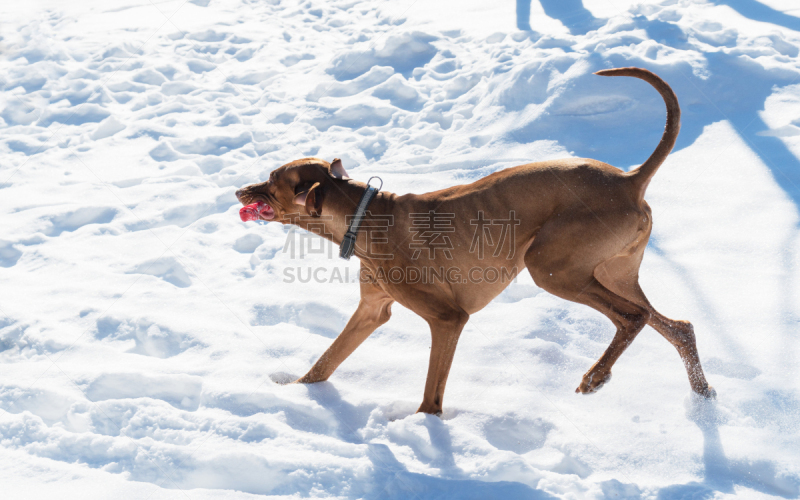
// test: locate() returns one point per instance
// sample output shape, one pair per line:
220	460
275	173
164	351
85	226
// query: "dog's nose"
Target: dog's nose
239	194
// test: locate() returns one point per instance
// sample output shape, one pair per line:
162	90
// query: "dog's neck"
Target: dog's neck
341	202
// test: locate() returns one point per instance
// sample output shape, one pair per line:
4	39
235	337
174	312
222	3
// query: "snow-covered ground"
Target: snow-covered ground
144	329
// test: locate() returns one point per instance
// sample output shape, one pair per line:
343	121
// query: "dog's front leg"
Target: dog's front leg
445	331
374	309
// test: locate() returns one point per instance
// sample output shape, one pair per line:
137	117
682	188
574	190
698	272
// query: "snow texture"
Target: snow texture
146	332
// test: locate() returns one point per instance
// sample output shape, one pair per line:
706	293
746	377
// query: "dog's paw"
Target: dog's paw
592	382
305	379
310	378
708	393
432	410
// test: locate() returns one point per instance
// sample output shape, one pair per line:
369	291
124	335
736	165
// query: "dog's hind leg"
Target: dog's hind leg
681	335
569	275
374	309
627	316
620	274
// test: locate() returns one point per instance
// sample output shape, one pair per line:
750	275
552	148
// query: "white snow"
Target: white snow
145	331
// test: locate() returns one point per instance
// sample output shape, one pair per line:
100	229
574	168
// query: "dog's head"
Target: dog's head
297	188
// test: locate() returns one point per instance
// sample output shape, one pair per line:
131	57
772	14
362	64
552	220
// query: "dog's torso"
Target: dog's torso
479	233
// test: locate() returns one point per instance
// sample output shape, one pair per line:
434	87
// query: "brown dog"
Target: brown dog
580	227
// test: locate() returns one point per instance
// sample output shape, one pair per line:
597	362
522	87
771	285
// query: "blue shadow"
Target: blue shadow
571	13
390	479
757	11
721	474
394	481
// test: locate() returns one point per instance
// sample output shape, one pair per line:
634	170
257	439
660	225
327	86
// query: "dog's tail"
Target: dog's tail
641	176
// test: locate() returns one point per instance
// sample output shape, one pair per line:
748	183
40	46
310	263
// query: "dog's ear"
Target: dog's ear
311	200
337	170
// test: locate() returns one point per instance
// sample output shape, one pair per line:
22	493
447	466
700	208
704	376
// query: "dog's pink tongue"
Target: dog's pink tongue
254	211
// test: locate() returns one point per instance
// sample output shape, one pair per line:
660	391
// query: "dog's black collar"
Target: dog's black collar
348	245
